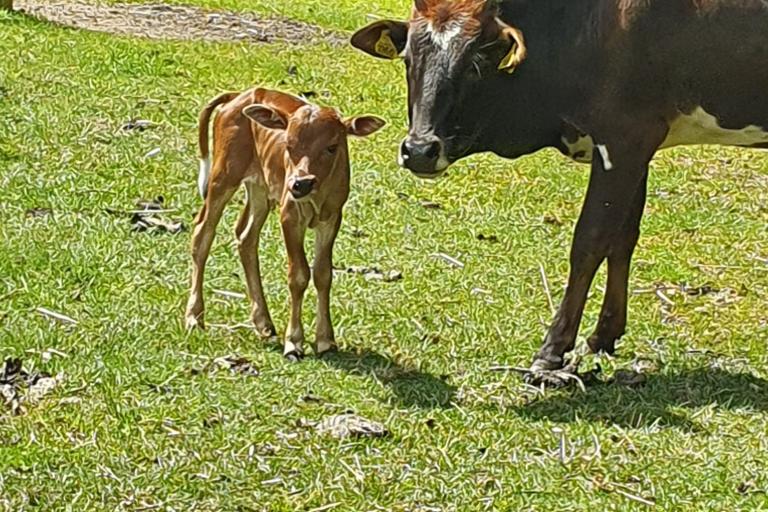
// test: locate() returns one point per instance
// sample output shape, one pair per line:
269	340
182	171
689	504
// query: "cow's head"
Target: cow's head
448	47
315	142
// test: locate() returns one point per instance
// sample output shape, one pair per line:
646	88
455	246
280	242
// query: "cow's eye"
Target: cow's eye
331	150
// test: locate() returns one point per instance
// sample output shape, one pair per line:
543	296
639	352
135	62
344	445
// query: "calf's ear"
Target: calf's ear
383	39
362	126
517	49
266	116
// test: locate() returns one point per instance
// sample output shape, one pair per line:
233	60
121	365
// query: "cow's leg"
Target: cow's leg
618	172
202	239
298	279
248	231
613	315
322	273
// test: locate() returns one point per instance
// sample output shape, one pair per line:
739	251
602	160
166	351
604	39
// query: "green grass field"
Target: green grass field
135	426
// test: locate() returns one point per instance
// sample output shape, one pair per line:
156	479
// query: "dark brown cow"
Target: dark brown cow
605	81
288	152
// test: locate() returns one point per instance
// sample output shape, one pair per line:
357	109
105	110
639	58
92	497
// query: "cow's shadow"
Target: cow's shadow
409	386
659	401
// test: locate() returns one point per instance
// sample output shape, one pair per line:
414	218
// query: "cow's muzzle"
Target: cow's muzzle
423	156
301	187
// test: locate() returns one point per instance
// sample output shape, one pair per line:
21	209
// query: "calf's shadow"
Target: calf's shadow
410	386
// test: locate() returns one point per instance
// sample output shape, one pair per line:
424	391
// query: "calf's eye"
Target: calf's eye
331	150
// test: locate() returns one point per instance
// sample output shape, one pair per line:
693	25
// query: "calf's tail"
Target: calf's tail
205	155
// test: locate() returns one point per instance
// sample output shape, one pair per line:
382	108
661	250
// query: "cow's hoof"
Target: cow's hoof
551	375
294	356
550	378
598	344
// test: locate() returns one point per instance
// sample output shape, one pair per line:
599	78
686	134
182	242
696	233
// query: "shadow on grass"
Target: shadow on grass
410	386
659	401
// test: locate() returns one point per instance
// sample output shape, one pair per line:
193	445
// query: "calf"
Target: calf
288	152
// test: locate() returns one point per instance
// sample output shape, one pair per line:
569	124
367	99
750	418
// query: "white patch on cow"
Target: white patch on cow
202	176
701	127
607	165
580	150
446	34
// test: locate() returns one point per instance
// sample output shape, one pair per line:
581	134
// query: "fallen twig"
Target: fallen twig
634	497
448	259
231	295
233	327
505	368
664	298
56	316
545	282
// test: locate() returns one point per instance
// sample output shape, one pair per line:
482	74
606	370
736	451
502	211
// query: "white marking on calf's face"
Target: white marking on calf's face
607	164
701	127
445	35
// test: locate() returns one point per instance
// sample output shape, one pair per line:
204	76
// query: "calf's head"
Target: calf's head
449	47
315	142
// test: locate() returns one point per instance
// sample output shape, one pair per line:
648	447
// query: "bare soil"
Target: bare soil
161	21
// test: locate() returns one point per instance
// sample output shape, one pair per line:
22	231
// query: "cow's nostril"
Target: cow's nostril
433	150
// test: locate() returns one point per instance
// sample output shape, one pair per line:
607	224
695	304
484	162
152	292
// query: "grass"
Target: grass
133	426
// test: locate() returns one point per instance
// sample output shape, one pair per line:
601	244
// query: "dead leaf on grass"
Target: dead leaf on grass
430	205
552	220
138	125
19	386
38	212
374	274
347	425
629	378
148	216
236	364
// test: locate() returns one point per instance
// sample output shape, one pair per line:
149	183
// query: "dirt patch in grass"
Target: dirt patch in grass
161	21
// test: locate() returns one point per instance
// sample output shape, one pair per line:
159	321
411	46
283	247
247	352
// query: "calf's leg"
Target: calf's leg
248	231
202	238
298	280
325	235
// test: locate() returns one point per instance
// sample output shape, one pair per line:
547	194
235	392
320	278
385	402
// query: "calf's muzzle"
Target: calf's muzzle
302	186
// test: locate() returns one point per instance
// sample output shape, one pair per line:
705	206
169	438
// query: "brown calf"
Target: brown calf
287	152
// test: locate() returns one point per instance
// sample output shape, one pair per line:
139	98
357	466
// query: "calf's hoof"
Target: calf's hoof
294	356
265	330
324	348
192	321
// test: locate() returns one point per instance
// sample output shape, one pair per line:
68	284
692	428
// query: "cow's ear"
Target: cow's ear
383	39
266	116
517	50
362	126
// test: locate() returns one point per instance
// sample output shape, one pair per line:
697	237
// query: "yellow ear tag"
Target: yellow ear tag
385	47
511	60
